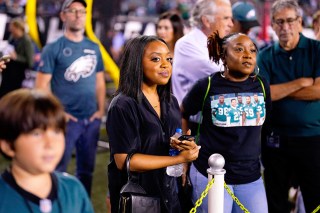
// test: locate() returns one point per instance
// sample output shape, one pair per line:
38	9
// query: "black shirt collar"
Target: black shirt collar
9	179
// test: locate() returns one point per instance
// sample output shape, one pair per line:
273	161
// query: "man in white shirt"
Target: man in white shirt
191	58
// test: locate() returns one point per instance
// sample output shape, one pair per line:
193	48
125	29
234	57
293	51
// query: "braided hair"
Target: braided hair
216	46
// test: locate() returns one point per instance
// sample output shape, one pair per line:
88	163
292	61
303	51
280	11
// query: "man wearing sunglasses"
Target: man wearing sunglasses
72	68
292	146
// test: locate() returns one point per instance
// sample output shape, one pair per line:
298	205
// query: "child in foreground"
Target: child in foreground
32	126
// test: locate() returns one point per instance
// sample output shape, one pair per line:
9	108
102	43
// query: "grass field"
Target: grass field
99	189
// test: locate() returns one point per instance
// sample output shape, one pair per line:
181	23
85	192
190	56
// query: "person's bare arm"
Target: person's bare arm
280	91
143	162
184	125
310	93
43	81
101	95
184	122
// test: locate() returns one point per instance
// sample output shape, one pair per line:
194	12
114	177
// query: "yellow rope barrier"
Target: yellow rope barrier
205	193
235	198
316	210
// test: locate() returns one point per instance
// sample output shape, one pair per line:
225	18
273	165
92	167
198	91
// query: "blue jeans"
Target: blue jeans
83	135
251	195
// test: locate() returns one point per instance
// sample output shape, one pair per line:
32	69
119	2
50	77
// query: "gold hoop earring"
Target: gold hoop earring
222	71
256	72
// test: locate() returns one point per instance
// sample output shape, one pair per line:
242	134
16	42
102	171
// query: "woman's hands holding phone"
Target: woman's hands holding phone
184	142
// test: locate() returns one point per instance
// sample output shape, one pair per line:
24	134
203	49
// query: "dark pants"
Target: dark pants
295	162
83	135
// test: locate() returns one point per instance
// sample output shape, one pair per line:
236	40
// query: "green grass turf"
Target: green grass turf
100	179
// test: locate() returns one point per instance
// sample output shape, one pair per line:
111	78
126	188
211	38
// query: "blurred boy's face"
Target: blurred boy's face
39	151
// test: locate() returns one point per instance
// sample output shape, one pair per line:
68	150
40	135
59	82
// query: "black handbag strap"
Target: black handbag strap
132	176
132	184
128	158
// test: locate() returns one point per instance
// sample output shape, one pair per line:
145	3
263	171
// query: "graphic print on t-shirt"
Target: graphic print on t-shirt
238	109
82	67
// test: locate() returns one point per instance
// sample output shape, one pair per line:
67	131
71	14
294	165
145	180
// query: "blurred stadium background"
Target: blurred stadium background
113	23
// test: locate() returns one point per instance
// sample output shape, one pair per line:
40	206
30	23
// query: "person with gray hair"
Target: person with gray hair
291	146
191	59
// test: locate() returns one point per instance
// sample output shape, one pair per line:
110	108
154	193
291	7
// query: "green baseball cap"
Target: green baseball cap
245	13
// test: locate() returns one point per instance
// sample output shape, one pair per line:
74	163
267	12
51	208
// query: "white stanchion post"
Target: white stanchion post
216	193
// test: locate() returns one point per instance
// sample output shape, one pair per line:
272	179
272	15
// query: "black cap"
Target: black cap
67	3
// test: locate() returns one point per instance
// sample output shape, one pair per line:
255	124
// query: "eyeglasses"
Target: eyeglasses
281	22
75	11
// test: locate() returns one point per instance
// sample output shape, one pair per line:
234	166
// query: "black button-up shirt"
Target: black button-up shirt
136	127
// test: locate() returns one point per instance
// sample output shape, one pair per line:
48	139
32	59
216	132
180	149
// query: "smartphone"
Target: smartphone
5	58
185	137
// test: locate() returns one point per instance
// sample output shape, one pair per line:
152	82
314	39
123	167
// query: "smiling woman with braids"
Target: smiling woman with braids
230	127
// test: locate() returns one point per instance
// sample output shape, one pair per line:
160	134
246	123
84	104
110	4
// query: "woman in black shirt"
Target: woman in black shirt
141	119
231	124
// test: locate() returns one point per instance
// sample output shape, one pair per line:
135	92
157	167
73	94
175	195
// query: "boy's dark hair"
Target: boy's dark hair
131	69
24	110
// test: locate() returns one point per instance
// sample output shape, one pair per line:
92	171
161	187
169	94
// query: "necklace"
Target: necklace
155	106
153	99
